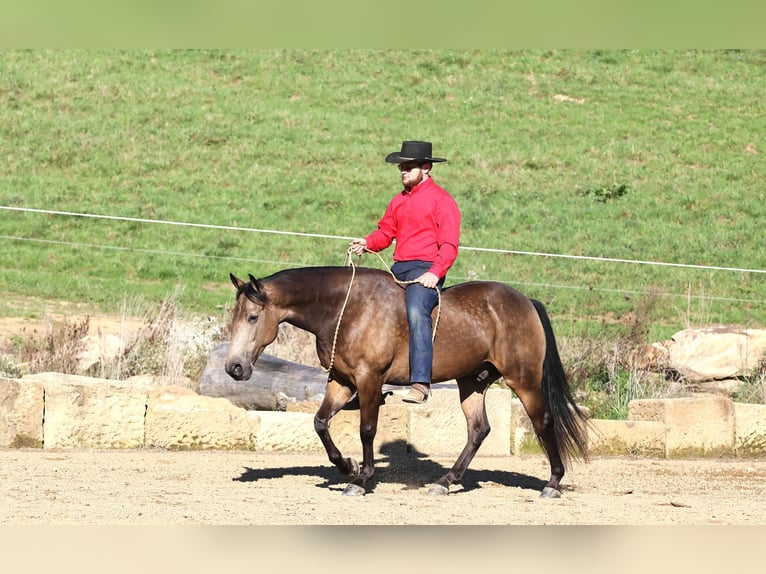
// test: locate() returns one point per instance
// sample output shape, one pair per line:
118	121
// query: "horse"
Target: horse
485	330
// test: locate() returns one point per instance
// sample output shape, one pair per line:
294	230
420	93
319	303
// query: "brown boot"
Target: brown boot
418	394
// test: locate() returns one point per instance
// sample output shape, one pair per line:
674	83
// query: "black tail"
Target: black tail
569	421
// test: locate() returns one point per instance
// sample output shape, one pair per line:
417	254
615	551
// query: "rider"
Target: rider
424	219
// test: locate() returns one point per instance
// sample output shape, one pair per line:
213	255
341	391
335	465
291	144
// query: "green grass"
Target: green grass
650	155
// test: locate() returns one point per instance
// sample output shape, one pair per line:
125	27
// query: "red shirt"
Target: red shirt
425	222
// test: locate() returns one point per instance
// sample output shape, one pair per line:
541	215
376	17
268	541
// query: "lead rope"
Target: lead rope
340	317
350	263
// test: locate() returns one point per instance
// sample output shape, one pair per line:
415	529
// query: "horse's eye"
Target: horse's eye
252	318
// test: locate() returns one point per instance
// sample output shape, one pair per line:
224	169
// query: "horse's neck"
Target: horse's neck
307	323
314	307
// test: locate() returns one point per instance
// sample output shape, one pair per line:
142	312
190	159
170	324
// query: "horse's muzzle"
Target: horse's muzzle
239	370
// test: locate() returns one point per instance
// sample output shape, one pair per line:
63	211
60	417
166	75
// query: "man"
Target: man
425	222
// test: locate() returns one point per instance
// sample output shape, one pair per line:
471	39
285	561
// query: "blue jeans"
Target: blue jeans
420	302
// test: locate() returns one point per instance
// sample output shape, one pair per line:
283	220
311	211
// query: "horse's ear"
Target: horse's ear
254	281
236	281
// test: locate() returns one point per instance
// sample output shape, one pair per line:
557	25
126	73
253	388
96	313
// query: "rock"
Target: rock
652	357
310	407
693	426
177	418
621	438
21	413
750	430
274	383
719	353
289	431
439	426
151	381
101	348
726	387
716	353
83	412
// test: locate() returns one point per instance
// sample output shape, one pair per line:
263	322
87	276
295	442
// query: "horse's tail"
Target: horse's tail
569	421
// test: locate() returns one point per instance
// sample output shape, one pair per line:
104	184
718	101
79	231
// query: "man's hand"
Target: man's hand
428	279
358	246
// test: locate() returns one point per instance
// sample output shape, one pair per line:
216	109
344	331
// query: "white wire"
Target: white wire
614	260
324	236
289	264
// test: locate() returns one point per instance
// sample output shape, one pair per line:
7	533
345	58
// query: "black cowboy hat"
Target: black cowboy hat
413	151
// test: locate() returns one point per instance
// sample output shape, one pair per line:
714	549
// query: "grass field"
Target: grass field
637	155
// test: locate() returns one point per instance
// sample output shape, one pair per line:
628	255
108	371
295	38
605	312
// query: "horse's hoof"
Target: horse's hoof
353	490
549	492
438	490
354	472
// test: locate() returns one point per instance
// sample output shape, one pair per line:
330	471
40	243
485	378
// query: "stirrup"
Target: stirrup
418	394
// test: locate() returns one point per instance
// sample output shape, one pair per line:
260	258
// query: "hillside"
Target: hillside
613	185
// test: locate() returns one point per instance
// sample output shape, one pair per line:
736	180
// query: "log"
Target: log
273	384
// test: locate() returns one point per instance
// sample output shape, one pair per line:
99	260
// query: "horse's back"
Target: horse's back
493	294
470	296
470	287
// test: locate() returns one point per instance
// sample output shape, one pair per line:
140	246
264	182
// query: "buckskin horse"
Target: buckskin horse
485	330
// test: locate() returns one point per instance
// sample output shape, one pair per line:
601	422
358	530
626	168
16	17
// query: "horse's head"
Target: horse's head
253	326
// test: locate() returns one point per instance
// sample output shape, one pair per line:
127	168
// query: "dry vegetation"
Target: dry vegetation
170	346
604	368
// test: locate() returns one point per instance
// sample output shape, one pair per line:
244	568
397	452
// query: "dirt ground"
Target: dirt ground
154	487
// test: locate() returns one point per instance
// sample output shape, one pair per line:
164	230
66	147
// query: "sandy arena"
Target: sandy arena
154	487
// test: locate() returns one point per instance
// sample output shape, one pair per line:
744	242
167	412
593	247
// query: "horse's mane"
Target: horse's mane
306	276
249	290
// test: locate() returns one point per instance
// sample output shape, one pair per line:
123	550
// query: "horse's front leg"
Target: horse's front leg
336	396
369	407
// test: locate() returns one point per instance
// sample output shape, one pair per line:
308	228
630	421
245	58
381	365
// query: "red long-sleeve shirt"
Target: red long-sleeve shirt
425	222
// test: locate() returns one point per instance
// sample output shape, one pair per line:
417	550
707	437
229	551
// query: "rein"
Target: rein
350	263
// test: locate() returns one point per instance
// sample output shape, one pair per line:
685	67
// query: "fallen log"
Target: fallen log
273	384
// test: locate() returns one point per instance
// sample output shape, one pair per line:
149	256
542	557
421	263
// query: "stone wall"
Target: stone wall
54	411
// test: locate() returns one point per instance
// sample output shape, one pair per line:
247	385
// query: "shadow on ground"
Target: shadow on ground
398	463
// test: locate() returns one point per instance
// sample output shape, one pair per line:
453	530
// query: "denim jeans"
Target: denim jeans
420	302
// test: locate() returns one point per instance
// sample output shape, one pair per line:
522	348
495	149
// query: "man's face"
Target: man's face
412	173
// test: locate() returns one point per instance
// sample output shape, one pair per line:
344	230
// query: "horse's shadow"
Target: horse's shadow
397	462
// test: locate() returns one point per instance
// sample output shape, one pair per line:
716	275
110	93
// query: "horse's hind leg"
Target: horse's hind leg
472	401
336	396
542	422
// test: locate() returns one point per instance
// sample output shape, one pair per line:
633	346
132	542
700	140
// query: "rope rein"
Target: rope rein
340	318
350	263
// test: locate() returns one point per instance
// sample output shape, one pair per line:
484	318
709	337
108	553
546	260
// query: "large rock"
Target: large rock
438	427
274	383
522	433
21	413
177	418
750	429
392	432
621	438
709	354
83	412
153	381
694	427
288	431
